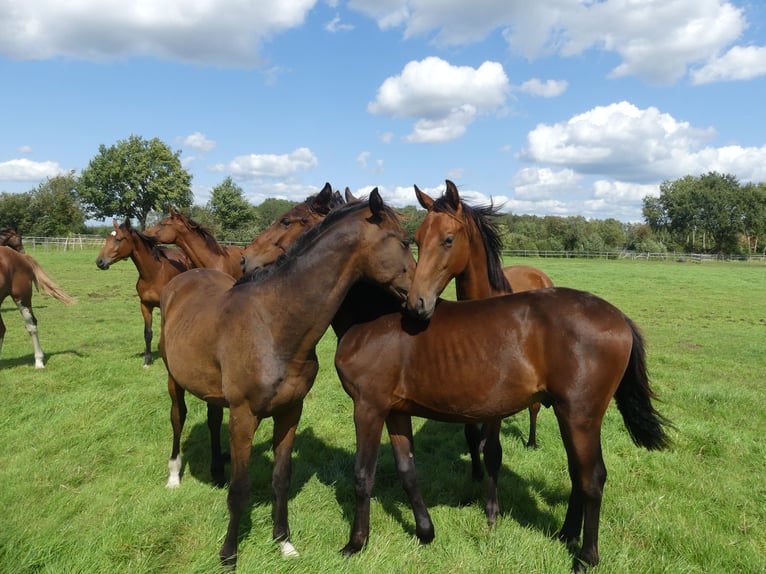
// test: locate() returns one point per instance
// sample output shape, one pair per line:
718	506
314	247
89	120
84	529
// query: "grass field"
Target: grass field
84	447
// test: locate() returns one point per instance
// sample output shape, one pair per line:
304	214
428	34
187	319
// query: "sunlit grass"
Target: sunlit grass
84	447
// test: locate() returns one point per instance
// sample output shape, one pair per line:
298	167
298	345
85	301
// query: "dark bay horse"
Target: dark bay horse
280	235
198	243
250	346
464	243
564	348
156	266
10	237
18	272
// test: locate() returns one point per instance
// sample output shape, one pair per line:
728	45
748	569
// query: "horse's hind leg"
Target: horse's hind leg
146	311
31	324
177	420
285	425
534	409
473	436
400	432
493	458
214	420
2	333
582	440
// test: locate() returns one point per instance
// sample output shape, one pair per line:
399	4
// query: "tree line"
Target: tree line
140	179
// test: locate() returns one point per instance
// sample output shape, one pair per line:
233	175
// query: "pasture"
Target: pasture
84	446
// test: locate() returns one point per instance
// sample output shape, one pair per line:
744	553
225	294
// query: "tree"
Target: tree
53	209
133	177
229	206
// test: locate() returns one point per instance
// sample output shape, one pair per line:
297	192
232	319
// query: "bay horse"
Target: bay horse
18	272
280	235
10	238
561	347
250	346
156	266
465	244
198	243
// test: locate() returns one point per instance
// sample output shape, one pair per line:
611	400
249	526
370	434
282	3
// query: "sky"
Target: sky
551	107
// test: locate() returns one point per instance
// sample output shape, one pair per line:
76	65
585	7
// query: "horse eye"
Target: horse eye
285	222
449	240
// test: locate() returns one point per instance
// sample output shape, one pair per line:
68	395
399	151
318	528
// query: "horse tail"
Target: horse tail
43	281
634	397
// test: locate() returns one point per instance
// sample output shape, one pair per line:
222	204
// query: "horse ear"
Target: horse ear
453	197
127	223
424	199
376	203
115	224
350	196
326	194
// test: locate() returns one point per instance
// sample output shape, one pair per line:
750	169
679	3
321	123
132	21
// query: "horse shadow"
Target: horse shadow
29	358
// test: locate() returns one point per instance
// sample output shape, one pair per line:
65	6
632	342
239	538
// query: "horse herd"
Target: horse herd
512	341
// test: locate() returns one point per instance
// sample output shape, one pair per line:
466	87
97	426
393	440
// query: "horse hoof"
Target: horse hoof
349	550
287	549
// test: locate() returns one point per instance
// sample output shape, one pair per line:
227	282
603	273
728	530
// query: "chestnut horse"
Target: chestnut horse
10	238
198	243
156	266
275	239
466	245
564	348
250	346
18	272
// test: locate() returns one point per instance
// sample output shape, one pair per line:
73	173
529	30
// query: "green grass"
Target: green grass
84	447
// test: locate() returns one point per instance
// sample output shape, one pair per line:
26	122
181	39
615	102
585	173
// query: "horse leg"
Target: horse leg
534	408
146	311
369	428
214	420
400	431
285	426
587	472
473	436
493	457
30	322
2	333
242	426
177	420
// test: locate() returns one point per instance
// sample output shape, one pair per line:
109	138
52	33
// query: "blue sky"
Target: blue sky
552	107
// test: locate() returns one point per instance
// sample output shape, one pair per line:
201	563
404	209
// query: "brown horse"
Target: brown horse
279	236
18	272
156	266
564	348
250	346
198	243
464	243
10	238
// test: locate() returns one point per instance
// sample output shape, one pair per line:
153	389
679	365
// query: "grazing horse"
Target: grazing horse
464	244
275	239
250	346
10	237
156	266
198	243
17	274
564	348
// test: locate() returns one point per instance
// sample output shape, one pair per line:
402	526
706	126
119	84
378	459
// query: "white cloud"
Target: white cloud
539	183
256	166
226	32
547	89
27	170
335	25
197	141
25	149
444	99
739	63
363	158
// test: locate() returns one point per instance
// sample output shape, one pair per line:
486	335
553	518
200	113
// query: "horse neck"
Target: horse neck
473	282
197	249
364	302
143	258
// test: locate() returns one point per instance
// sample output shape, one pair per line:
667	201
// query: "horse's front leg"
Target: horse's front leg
177	420
217	459
285	426
473	436
534	409
146	312
30	321
400	431
369	426
242	426
493	458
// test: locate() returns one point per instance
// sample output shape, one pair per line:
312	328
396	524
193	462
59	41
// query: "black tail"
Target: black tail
634	400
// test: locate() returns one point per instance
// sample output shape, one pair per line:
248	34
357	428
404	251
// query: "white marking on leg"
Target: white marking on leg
29	321
174	478
288	550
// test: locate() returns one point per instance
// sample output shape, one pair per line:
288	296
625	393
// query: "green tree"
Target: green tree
132	178
271	208
13	211
54	208
229	206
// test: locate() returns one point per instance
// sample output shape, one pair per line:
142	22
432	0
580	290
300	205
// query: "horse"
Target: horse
469	247
18	272
249	346
275	239
198	243
564	348
10	237
156	266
